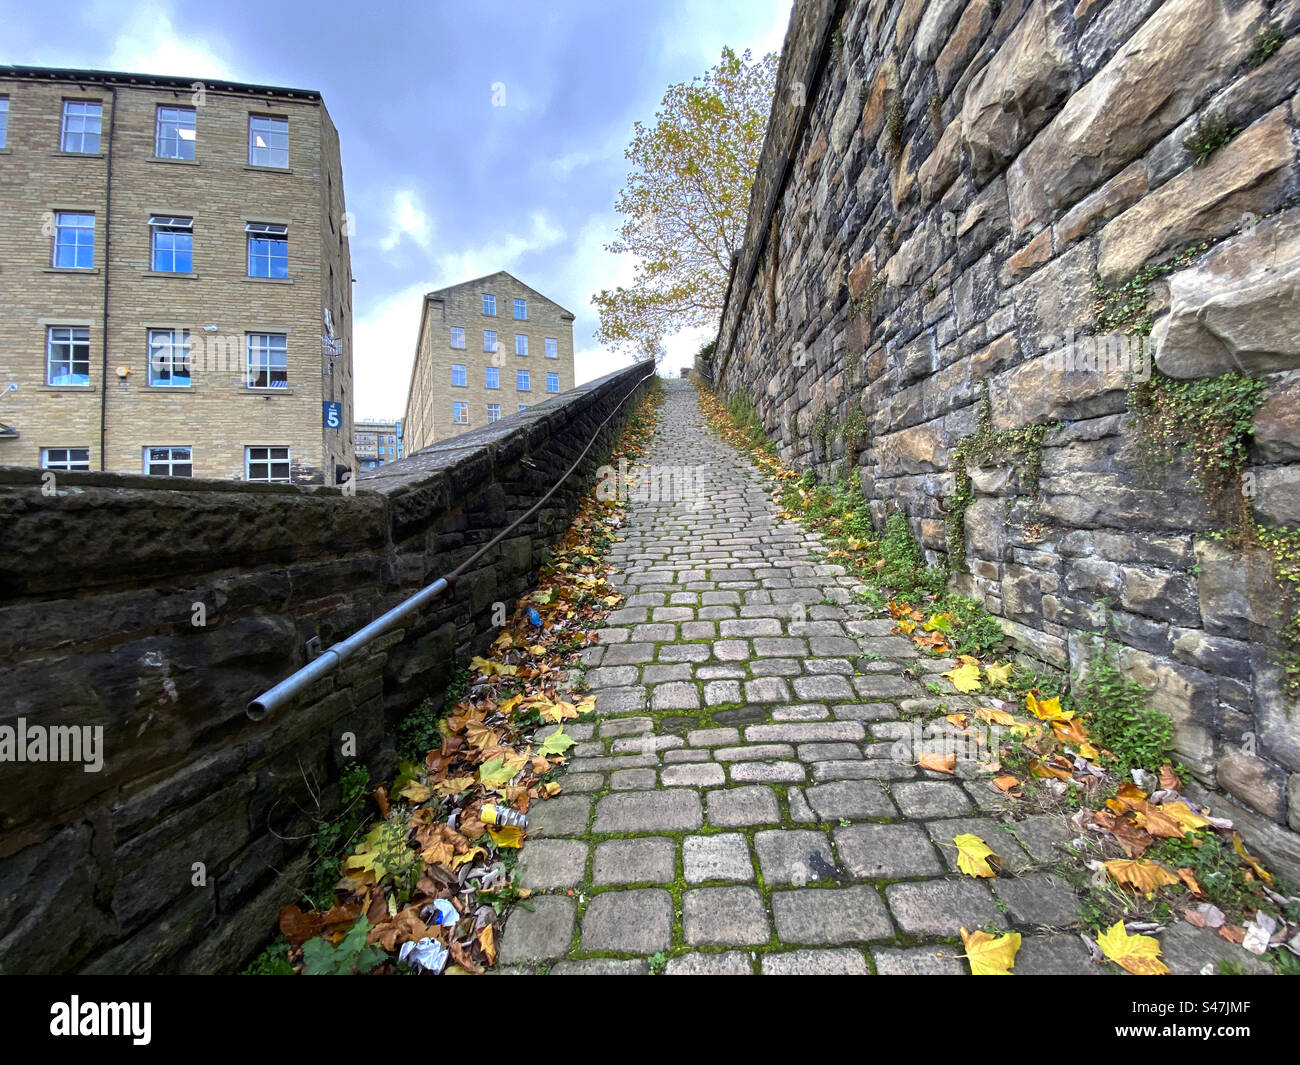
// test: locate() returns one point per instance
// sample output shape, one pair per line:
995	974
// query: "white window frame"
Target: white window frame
260	351
169	223
71	342
153	467
493	344
521	343
491	377
66	463
164	361
273	126
489	305
272	234
459	412
4	121
269	460
459	375
521	317
87	114
171	131
552	348
458	333
494	412
553	378
65	226
523	381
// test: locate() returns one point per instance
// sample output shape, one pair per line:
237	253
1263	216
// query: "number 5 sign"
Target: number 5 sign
332	415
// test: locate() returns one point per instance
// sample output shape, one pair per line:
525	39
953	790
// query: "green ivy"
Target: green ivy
1119	719
1265	46
1209	138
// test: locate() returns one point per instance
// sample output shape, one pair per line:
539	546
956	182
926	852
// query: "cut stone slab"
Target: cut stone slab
734	807
799	808
633	861
1039	899
850	798
724	915
541	933
794	856
732	963
632	779
918	961
552	863
1057	955
830	915
565	815
774	772
1045	836
721	857
843	962
1187	950
702	774
1002	843
629	922
602	967
648	811
886	852
941	907
930	798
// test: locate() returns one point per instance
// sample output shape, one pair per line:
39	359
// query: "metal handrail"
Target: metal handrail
334	656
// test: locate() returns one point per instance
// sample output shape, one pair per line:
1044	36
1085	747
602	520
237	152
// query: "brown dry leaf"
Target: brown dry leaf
298	927
1232	933
993	716
487	941
1169	779
1006	783
1134	840
1189	878
1157	822
1142	875
939	763
462	958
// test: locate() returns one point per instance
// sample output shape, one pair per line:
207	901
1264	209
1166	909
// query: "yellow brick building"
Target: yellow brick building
487	349
175	279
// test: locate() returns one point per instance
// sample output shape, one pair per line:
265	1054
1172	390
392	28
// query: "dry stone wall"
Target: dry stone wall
101	582
945	189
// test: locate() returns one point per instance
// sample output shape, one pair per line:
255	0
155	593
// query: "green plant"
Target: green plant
351	955
1126	307
866	303
272	961
894	118
975	631
936	111
334	836
930	291
1119	720
658	963
1209	137
1265	46
1282	545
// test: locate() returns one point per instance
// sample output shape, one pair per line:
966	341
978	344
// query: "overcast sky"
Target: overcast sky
444	185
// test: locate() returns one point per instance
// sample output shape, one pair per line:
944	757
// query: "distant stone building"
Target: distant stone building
486	349
175	279
377	443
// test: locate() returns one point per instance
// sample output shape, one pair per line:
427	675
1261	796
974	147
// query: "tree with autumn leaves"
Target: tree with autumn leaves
685	202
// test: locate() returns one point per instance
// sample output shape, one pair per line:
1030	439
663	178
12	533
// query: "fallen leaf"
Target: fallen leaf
1006	783
998	674
973	856
1142	875
1140	955
994	717
1254	863
939	763
1189	878
990	955
965	678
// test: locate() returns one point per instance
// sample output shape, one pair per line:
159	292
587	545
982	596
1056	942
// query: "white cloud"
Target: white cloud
146	41
409	219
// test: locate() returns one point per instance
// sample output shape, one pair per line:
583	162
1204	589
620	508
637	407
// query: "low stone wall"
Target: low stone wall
155	612
943	186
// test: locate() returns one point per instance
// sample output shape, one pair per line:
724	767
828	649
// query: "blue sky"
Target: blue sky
444	185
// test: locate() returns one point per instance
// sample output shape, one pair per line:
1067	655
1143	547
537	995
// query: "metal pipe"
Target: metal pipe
333	657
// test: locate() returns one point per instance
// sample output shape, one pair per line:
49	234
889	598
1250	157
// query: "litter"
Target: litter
427	954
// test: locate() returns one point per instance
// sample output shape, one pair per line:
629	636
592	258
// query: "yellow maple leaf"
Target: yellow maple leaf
990	955
994	717
1140	874
1140	955
965	678
1047	709
1184	815
453	785
973	855
998	674
416	792
1254	863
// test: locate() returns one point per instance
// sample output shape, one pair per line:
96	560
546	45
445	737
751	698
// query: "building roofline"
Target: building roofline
438	292
117	77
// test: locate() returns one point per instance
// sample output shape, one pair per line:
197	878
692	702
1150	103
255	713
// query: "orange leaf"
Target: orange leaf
1006	783
939	763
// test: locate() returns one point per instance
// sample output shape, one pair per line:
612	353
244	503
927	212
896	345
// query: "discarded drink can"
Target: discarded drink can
502	815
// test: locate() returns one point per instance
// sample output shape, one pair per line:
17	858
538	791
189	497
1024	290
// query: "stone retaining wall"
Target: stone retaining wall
942	187
101	583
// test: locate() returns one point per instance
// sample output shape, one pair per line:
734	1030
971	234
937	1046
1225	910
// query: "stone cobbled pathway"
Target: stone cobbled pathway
735	807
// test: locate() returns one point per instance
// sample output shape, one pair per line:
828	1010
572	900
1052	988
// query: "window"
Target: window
521	381
489	340
268	141
268	250
521	344
266	464
67	355
4	121
521	309
552	382
74	240
268	360
552	348
172	238
168	462
169	358
457	337
460	413
459	378
491	377
65	458
489	305
174	133
81	126
494	412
